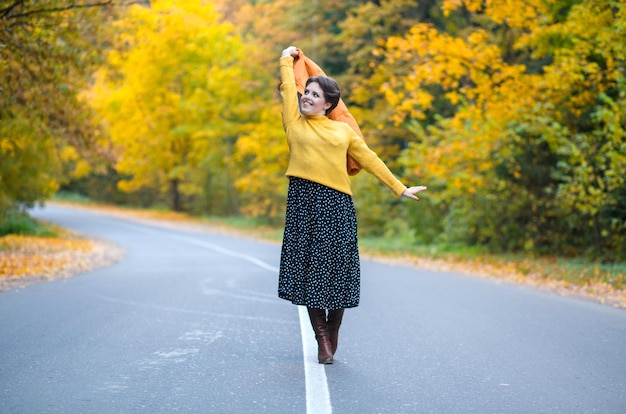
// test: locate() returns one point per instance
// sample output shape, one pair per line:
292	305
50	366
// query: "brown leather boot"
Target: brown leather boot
318	321
334	321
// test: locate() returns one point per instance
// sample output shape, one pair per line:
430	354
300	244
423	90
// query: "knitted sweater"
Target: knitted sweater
303	69
318	145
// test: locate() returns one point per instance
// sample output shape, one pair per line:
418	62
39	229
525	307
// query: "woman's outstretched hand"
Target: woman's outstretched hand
291	50
411	191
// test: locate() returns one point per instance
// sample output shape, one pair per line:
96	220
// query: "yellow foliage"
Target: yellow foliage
525	14
476	80
490	124
69	153
261	154
82	169
174	94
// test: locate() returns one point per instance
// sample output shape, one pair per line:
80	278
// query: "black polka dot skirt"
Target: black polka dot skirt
319	263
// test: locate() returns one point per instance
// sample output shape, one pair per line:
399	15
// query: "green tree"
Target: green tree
48	49
530	155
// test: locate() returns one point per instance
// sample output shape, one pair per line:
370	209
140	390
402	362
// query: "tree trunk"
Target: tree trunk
176	202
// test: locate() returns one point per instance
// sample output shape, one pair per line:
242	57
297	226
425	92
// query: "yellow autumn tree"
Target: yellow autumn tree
174	93
262	24
261	154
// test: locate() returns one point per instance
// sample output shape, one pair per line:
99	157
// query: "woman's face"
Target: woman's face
312	101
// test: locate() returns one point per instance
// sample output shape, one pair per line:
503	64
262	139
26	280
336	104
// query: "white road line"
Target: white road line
317	395
228	252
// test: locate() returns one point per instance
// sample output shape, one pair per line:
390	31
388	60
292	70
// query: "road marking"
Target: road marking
317	395
228	252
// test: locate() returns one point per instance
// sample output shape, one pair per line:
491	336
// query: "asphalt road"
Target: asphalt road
189	322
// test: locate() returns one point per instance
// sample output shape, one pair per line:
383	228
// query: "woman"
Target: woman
319	265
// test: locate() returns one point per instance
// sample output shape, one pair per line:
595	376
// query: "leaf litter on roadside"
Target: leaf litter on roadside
28	259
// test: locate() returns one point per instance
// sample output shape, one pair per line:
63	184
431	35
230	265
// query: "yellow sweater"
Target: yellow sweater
318	145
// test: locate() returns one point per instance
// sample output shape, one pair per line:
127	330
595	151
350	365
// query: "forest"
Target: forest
512	112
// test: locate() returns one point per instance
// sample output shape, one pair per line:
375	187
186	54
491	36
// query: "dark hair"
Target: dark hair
330	88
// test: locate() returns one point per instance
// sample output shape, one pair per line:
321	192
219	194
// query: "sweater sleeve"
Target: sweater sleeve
288	91
374	165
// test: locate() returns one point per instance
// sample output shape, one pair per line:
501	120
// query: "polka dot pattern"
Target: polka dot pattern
319	264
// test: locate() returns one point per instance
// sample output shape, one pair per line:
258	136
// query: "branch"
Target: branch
60	9
4	12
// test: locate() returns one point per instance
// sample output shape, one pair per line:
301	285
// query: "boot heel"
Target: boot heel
334	322
324	348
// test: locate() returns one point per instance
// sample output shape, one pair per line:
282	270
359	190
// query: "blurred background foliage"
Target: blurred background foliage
511	111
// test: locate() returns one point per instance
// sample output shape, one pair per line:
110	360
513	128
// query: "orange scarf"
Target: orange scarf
303	69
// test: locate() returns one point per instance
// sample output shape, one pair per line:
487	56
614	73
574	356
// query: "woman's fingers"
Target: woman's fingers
411	191
291	50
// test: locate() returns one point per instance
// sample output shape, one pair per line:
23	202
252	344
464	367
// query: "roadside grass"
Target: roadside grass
17	222
570	271
604	281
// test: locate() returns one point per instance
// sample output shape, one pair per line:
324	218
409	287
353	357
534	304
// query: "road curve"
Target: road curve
189	322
